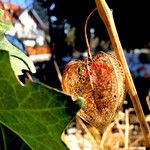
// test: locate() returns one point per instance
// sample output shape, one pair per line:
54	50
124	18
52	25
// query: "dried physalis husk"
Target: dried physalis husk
101	83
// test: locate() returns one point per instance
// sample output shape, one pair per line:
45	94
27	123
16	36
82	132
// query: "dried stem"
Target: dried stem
86	38
148	100
87	131
89	59
126	129
107	17
58	70
105	135
136	141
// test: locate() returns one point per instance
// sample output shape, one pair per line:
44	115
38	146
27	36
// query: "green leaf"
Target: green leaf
19	61
35	112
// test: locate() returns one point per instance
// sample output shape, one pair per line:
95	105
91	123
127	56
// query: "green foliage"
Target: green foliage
35	112
17	57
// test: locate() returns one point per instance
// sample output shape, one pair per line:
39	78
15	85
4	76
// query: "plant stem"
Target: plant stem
127	129
86	38
107	17
4	137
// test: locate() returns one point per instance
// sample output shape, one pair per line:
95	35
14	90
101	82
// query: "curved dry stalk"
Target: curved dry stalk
105	135
86	38
93	141
89	58
127	129
107	17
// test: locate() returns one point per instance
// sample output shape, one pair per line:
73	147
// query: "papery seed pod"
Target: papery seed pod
101	83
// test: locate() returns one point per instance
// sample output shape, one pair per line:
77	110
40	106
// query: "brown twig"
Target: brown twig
86	38
107	17
87	131
104	137
148	100
136	141
119	129
89	58
126	129
58	71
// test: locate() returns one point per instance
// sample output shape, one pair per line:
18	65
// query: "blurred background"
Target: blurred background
51	33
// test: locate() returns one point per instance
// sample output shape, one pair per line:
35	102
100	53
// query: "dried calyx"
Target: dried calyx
100	81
